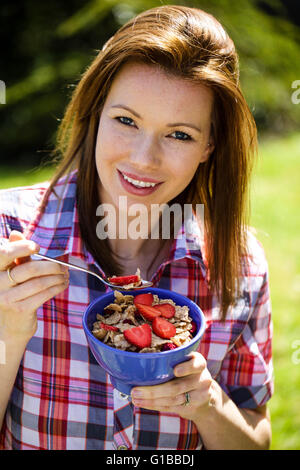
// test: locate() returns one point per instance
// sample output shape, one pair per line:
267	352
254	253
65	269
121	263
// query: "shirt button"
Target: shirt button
123	396
122	447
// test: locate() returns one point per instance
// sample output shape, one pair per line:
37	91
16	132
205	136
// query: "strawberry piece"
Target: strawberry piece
139	336
145	299
123	280
108	327
168	346
194	327
163	328
166	310
148	312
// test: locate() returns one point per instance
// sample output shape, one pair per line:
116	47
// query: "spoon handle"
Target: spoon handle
70	265
74	266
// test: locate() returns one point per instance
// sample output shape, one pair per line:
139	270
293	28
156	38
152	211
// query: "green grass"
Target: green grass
11	176
275	205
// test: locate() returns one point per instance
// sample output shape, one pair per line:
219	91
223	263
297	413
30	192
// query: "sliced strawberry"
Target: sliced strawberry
163	328
168	346
123	280
166	310
108	327
148	312
139	336
145	299
194	327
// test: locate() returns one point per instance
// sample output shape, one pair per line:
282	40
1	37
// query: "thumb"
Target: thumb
15	236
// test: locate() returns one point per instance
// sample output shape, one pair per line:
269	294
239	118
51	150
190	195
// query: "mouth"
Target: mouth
136	186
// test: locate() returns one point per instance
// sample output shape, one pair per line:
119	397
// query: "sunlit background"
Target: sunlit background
45	48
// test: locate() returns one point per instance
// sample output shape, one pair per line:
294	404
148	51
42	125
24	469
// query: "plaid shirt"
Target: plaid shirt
62	399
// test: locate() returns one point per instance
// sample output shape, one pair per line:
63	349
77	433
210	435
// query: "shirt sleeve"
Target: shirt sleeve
17	207
246	374
8	220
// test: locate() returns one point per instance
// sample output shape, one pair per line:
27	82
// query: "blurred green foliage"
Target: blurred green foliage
49	45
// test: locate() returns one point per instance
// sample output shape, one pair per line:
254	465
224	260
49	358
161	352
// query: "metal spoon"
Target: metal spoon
144	284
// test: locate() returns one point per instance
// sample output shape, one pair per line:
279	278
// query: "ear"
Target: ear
208	150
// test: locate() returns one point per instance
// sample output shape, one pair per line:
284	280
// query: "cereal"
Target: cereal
114	318
123	315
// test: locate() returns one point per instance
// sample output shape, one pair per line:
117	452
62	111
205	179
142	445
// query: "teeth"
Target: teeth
140	184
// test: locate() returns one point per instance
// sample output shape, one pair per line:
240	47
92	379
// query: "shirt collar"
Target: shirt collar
189	242
56	230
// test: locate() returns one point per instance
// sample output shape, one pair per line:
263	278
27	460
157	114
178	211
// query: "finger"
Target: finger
33	269
16	249
196	398
159	403
151	392
30	288
153	407
199	395
166	390
34	302
173	387
202	395
30	270
194	366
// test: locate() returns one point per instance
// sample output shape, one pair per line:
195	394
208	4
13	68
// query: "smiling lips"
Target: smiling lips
142	182
138	186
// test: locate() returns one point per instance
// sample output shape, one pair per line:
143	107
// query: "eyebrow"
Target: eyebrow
174	124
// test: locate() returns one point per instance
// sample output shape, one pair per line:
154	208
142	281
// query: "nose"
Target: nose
146	152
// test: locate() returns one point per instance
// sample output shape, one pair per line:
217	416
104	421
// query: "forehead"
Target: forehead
150	84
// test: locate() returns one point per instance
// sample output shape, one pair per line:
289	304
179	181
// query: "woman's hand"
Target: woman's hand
34	282
192	377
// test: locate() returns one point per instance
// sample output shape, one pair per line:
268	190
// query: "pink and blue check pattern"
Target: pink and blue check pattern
62	399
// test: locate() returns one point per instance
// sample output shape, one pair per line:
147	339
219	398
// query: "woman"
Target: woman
158	118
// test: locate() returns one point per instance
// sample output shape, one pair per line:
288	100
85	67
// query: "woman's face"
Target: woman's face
154	129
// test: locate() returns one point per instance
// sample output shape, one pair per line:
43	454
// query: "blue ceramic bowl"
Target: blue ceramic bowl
128	369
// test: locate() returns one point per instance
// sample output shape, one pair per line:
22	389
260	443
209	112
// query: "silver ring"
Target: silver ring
14	283
187	399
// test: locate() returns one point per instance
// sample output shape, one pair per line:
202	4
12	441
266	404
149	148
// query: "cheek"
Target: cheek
110	146
105	147
183	171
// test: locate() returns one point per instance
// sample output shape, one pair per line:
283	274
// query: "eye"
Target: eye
125	120
179	135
